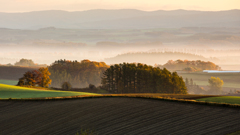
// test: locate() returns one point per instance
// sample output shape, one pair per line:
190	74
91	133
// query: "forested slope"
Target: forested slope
116	116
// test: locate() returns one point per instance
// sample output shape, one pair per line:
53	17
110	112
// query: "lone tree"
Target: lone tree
30	78
36	77
215	85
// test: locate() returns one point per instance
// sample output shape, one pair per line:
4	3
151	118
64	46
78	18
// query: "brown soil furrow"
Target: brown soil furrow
115	115
229	128
55	117
69	116
166	122
149	120
217	123
101	119
119	124
90	118
174	123
188	119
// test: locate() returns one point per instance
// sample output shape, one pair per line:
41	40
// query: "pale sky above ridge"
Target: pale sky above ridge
146	5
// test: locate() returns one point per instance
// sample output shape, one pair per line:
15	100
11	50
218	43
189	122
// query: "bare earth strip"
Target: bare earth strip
116	115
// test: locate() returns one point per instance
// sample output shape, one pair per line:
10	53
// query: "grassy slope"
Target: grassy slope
9	82
224	99
230	80
7	91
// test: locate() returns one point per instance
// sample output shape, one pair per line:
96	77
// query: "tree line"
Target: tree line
118	78
78	74
141	78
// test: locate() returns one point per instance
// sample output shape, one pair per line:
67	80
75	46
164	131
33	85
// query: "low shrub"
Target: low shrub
66	86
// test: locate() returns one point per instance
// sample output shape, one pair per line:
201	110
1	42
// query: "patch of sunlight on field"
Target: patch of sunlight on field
9	82
224	99
8	91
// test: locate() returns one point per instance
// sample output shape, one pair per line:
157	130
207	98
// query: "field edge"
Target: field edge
126	96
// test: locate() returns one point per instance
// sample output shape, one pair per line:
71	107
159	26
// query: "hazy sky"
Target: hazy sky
148	5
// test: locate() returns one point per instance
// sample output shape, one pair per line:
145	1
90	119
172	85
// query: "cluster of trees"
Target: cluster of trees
190	66
78	74
140	78
28	63
215	86
38	77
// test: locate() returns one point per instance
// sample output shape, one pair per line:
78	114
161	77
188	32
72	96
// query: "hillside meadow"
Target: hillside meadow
223	99
16	92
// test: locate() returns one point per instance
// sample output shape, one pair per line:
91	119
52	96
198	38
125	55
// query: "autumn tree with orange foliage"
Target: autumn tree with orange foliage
36	77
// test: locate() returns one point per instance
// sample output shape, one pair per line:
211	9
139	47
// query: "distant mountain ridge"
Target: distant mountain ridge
119	19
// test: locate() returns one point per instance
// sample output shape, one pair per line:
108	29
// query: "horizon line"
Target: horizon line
120	9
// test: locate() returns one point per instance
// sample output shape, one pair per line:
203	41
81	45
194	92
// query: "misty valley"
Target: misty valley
120	71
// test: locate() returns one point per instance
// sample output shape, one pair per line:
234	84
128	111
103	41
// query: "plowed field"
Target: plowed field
116	116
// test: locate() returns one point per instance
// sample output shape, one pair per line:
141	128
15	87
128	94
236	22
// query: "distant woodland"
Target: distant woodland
189	66
152	58
28	63
78	74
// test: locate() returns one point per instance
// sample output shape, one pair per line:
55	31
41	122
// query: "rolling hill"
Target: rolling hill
116	116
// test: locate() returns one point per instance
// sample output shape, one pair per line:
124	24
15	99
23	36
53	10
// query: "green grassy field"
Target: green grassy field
224	99
230	80
9	82
8	91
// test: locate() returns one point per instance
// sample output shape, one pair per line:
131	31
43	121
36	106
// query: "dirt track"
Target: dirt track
115	116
